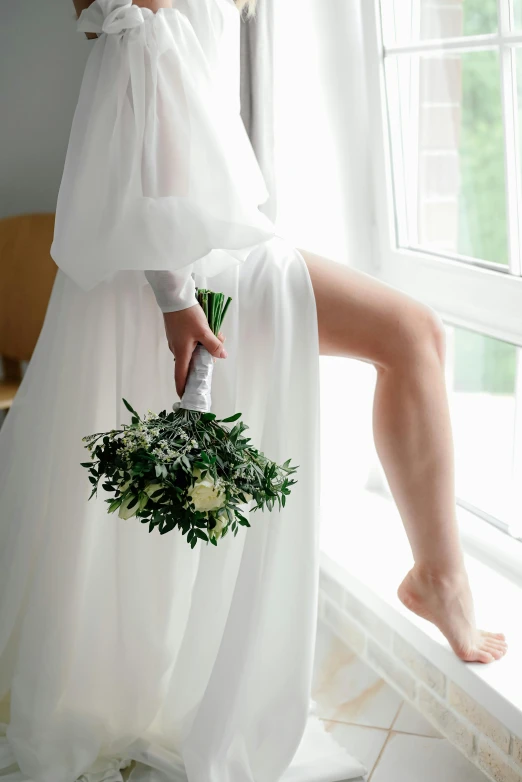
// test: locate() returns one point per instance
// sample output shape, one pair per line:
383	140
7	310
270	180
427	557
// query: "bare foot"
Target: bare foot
447	602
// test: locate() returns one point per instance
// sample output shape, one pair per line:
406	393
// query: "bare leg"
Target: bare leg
362	317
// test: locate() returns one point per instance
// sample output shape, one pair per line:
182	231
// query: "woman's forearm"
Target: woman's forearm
153	5
81	5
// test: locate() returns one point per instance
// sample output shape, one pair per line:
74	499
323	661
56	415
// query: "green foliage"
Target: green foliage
482	216
154	466
185	469
482	364
214	306
480	17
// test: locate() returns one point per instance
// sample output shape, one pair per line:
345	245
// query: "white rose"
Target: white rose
125	512
150	488
207	494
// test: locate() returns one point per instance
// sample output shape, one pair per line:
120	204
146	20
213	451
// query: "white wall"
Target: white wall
42	58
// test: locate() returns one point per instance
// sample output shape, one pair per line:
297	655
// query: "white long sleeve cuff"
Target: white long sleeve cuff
174	291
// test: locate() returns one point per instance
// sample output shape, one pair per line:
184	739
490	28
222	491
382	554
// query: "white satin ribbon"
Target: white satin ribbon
199	382
111	16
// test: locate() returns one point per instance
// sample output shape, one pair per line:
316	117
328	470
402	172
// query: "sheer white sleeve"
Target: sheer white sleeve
160	172
174	291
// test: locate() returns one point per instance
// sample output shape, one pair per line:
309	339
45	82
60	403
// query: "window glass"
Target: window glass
448	153
480	379
407	21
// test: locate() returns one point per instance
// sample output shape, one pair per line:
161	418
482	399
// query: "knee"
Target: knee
420	334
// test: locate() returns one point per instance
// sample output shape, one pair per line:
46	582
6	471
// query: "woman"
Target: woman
119	646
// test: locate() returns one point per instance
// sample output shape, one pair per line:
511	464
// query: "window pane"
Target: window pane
480	378
447	148
518	56
517	13
406	21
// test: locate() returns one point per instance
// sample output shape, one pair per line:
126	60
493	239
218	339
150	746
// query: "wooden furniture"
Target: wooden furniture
27	274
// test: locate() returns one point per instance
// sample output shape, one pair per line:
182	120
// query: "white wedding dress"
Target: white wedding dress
117	645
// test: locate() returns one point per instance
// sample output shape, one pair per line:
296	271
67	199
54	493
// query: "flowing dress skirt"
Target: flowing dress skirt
120	645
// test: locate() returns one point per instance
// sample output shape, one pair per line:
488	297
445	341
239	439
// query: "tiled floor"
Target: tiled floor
364	714
367	716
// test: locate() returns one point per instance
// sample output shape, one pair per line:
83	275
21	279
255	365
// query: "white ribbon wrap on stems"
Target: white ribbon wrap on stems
199	381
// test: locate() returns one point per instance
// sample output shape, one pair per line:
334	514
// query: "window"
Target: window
481	381
445	95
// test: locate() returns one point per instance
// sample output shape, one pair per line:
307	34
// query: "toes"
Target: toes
500	636
492	647
474	654
482	656
489	650
494	643
495	651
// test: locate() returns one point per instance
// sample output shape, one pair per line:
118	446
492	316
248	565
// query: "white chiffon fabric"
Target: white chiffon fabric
117	645
159	172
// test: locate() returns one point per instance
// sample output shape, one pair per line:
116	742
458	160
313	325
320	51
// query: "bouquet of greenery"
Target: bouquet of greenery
185	468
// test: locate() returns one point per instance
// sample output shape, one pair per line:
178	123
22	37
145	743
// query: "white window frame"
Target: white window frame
479	295
485	299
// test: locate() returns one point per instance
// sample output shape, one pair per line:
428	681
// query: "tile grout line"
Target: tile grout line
377	727
379	757
395	718
385	743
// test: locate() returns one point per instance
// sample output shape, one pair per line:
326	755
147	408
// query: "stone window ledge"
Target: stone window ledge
364	555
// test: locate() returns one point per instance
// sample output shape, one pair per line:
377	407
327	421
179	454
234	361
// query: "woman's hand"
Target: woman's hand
184	329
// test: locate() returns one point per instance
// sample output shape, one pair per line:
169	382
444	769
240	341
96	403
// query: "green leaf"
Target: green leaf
200	534
231	418
130	408
134	501
208	416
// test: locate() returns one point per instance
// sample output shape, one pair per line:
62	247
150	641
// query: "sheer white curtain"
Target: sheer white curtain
325	201
322	157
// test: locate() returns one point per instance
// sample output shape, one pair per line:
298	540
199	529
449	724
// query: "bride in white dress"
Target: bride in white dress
117	645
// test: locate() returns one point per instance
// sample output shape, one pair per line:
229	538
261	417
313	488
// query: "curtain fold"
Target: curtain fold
257	93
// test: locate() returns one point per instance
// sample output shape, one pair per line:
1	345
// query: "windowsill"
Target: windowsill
368	554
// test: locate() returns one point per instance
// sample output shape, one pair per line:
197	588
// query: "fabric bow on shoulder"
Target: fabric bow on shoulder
111	16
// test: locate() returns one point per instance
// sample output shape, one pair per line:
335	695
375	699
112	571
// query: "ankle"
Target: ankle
441	576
